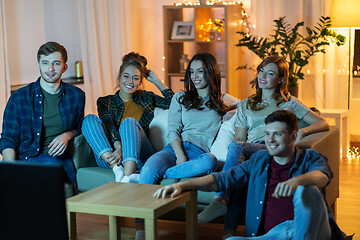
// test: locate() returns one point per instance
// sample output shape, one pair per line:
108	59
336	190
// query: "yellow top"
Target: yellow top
132	110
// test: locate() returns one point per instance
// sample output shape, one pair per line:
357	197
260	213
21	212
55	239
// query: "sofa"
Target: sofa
89	175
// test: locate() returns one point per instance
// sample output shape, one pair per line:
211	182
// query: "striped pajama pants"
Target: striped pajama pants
135	144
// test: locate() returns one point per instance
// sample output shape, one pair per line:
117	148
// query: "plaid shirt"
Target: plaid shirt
111	108
22	121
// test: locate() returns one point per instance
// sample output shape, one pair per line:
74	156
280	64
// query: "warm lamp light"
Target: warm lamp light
345	13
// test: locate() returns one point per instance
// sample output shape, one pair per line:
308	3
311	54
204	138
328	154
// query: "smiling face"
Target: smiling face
130	80
51	67
197	75
268	76
279	141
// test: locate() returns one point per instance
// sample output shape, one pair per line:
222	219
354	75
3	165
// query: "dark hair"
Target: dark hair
281	91
191	98
51	47
285	116
136	60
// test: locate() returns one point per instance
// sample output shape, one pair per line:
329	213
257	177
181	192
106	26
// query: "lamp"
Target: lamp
345	13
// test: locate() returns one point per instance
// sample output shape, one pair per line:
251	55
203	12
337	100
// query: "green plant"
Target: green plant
293	46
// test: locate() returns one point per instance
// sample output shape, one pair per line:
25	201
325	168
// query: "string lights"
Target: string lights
216	26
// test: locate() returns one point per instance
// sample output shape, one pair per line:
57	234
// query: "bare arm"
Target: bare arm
155	80
230	101
287	188
8	154
180	155
316	122
206	183
240	134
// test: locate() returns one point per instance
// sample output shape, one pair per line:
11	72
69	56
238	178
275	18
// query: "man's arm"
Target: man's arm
60	143
206	184
287	188
8	154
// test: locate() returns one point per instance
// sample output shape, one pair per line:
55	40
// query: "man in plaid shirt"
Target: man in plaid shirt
41	118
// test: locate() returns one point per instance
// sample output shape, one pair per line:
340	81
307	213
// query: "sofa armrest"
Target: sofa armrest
327	143
81	153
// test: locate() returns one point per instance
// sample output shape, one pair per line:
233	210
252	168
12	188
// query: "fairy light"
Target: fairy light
244	22
218	2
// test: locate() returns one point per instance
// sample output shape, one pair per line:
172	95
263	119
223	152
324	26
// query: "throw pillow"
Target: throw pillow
224	138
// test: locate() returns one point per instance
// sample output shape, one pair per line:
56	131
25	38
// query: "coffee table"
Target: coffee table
131	200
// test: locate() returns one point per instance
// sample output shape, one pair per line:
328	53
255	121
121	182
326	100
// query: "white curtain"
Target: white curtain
105	38
316	89
4	78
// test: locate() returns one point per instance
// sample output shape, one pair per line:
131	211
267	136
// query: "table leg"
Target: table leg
151	229
191	217
115	227
72	224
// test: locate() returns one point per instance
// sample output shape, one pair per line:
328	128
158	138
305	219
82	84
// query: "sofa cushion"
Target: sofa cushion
224	137
92	177
158	129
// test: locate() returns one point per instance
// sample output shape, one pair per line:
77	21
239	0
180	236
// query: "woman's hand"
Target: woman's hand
153	78
114	158
181	159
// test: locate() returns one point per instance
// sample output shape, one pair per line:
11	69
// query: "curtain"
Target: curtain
4	78
317	89
105	37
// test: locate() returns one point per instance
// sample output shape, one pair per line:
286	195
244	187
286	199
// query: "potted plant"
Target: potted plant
292	45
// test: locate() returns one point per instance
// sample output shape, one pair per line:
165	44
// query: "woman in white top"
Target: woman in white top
194	119
271	95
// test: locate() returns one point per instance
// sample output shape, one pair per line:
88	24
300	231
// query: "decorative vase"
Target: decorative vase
184	61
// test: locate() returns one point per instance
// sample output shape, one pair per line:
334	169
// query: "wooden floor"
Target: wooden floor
348	205
348	214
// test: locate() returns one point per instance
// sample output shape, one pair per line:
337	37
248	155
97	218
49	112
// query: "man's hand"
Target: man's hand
59	144
286	189
174	190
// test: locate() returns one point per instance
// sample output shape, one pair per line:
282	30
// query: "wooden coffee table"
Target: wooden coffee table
131	200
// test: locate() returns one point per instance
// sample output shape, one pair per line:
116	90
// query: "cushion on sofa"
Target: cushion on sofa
92	177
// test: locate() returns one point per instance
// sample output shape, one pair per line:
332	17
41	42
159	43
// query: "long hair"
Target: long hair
212	76
281	91
136	60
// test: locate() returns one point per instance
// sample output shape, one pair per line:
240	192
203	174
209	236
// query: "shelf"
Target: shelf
225	51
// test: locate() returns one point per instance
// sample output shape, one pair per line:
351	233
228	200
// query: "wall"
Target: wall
29	24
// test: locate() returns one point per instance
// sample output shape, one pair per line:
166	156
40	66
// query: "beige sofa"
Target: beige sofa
90	176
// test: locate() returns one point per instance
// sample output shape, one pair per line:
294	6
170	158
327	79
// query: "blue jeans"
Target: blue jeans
238	152
135	144
163	164
64	160
310	219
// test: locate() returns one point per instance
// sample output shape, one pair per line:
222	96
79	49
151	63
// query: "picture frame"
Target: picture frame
183	31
